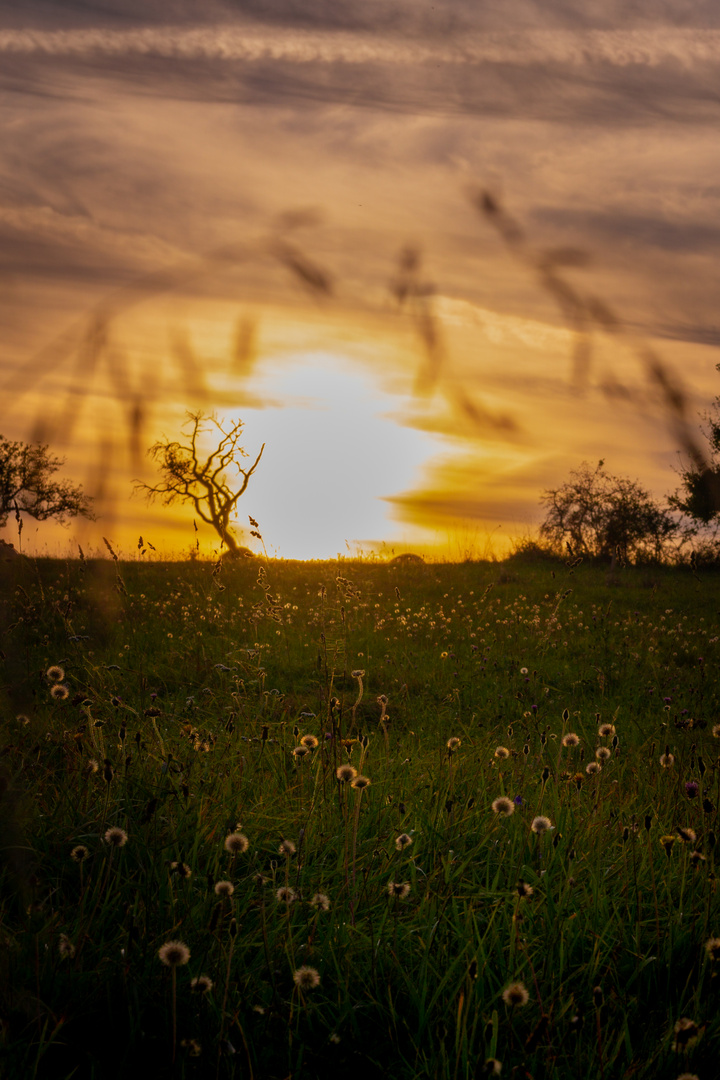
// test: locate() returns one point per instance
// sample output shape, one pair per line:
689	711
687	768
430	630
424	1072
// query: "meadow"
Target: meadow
284	820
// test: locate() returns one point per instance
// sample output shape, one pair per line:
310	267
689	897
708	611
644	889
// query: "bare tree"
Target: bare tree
188	476
28	485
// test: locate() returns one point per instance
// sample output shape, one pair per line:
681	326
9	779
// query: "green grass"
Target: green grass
190	685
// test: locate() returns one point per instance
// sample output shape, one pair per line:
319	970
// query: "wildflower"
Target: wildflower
571	739
697	857
686	1033
403	841
603	754
59	692
541	825
398	889
224	888
523	671
443	655
686	834
287	848
667	760
116	837
345	773
306	978
79	853
236	843
360	783
606	730
300	752
712	948
691	789
181	869
66	947
55	673
320	902
285	895
202	984
309	741
174	954
453	744
515	995
503	806
593	768
523	889
501	753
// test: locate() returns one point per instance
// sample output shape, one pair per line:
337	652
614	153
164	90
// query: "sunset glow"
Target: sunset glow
218	215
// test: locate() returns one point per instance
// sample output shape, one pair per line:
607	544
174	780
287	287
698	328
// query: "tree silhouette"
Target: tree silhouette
189	476
28	485
699	497
599	515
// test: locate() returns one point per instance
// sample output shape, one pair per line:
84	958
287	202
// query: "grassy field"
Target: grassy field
525	888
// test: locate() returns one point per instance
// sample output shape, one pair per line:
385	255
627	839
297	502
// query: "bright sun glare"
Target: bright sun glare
332	454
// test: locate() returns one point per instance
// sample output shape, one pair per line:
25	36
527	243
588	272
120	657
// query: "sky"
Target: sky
433	256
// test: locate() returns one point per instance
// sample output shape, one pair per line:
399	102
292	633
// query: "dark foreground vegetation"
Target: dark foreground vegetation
197	881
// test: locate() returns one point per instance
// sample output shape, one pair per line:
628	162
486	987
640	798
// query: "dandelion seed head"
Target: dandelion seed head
320	902
346	773
360	783
398	889
571	739
116	837
286	848
402	841
59	692
667	760
285	895
55	673
454	744
593	768
541	824
603	754
174	953
79	853
300	752
501	753
523	889
686	1033
712	948
309	741
224	888
686	834
503	806
236	843
515	995
306	978
65	947
202	984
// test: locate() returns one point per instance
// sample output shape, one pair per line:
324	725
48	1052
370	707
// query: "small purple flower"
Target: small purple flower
328	735
518	800
667	700
534	708
692	788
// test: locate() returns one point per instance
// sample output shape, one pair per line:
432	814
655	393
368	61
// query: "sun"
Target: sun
333	451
